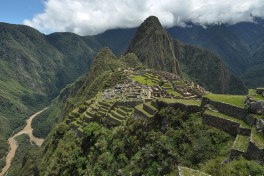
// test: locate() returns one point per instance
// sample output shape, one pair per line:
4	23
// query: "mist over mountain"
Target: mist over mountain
140	75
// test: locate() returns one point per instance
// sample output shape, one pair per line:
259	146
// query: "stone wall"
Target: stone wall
230	110
244	131
131	103
250	119
154	103
181	106
235	154
223	124
148	109
254	153
139	114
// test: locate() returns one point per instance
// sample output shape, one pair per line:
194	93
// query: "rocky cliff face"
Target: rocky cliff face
157	50
154	47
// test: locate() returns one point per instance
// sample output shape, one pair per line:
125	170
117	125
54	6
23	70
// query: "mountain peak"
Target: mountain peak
154	47
152	20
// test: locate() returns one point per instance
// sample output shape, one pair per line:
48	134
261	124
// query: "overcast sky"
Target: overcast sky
87	17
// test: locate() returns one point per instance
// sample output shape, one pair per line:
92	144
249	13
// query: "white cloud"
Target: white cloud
87	17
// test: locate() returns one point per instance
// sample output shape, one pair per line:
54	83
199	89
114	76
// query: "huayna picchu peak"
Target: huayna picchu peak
154	47
160	107
157	50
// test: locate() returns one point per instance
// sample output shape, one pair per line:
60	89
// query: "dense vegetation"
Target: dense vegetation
146	146
43	123
45	64
34	67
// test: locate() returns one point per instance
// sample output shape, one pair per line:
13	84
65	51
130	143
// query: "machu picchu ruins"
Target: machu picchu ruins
142	93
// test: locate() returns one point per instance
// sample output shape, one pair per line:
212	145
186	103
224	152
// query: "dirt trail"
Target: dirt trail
13	143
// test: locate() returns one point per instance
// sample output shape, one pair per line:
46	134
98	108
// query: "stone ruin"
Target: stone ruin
254	107
260	91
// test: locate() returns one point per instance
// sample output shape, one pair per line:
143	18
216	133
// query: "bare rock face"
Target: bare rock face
260	125
260	91
256	107
154	47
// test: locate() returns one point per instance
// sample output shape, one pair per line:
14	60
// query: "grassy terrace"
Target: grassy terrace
167	85
252	93
220	115
110	116
241	143
179	83
143	80
186	102
149	105
174	93
140	108
258	116
236	100
257	138
184	171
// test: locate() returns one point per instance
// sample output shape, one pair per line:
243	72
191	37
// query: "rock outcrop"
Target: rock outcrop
154	47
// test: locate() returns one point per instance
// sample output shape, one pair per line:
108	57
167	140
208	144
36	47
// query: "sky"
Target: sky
16	11
89	17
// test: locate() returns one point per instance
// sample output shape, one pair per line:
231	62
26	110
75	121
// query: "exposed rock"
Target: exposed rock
248	100
154	47
260	91
256	107
260	125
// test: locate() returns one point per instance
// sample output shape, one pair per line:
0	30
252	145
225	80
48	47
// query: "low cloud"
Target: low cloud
89	17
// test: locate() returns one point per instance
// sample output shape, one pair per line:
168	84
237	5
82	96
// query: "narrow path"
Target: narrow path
13	143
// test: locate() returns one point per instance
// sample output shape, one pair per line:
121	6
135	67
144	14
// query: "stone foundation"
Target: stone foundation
230	110
244	131
129	103
223	124
148	109
235	154
181	106
254	153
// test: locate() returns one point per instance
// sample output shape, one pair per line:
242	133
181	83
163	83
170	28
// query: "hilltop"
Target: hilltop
124	118
153	109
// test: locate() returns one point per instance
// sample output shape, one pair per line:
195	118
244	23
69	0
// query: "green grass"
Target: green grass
179	82
252	93
190	172
174	93
241	143
220	115
258	116
236	100
186	102
166	85
149	105
110	116
257	138
140	108
143	80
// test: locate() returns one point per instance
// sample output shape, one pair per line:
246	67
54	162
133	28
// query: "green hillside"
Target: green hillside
34	68
123	120
148	111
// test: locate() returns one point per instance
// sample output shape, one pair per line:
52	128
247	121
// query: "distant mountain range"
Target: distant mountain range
126	116
240	45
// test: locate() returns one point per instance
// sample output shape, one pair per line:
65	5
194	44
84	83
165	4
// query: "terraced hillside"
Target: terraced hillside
228	113
120	119
129	92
